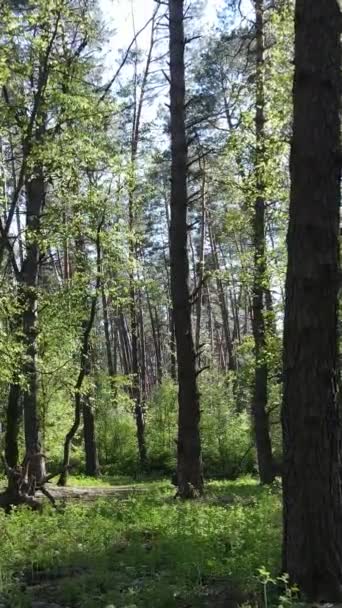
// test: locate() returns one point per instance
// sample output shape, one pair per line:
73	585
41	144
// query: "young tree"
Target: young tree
189	469
312	547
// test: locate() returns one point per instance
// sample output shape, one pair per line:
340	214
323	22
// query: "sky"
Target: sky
118	17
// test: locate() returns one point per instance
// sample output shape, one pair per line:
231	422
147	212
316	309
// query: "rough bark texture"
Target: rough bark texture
260	389
312	549
189	468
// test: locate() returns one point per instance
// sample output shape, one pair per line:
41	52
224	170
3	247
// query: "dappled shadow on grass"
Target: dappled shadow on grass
148	550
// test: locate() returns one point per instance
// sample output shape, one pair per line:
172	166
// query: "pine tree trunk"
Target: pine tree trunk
189	466
136	377
312	548
173	360
229	350
260	389
200	270
172	337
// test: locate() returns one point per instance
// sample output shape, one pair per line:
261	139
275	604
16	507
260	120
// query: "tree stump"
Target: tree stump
23	481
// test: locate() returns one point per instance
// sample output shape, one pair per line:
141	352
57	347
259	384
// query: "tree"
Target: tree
189	469
312	548
260	280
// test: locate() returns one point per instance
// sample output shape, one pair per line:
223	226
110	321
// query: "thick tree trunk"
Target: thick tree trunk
189	467
260	389
312	549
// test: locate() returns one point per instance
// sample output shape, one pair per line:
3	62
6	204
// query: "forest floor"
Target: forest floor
135	546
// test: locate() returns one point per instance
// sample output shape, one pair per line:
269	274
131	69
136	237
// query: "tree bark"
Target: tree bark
35	197
260	388
312	543
200	270
13	422
189	465
26	323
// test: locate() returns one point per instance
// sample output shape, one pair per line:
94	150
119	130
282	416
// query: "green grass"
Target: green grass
107	481
145	550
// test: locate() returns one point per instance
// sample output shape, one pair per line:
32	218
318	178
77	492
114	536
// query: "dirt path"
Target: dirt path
90	493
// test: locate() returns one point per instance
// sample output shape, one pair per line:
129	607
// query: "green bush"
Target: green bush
116	429
226	435
161	431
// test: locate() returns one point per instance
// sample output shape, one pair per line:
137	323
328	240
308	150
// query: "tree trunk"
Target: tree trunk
136	378
173	359
172	337
231	362
26	323
156	340
126	350
189	465
260	388
35	198
200	270
89	434
110	363
13	422
142	353
312	546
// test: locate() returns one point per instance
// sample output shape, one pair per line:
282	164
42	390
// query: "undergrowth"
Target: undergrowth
144	550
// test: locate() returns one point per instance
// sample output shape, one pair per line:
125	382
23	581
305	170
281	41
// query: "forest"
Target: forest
170	191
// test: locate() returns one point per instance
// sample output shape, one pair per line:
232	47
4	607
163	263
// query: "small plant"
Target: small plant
265	579
289	596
